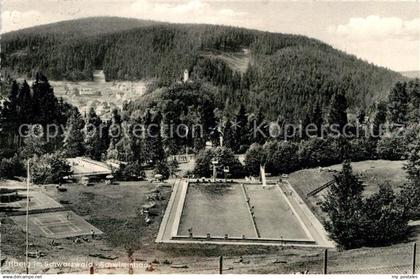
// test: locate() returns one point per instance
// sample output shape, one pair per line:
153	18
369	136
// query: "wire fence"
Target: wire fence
405	261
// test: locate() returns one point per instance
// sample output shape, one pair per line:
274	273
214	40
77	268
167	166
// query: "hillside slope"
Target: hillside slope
279	74
83	27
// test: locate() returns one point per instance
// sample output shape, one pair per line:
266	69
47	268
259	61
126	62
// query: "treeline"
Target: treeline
26	105
287	71
286	82
36	125
389	134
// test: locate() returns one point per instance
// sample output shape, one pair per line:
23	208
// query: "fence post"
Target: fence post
414	257
221	265
91	269
326	261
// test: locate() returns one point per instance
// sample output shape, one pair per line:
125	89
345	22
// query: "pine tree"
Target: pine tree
338	111
9	119
115	129
361	116
343	205
74	139
379	120
94	141
259	128
242	128
230	138
398	103
153	137
45	105
317	118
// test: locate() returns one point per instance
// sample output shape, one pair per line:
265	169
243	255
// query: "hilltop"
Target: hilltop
277	73
88	26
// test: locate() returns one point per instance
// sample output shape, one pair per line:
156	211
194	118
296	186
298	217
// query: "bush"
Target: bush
11	167
362	149
162	168
225	158
318	152
132	171
392	148
384	220
254	158
282	157
49	168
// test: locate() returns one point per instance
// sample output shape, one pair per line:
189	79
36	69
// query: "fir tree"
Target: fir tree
398	103
95	142
343	205
338	111
74	140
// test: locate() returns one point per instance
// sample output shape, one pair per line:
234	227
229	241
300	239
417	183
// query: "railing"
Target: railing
317	190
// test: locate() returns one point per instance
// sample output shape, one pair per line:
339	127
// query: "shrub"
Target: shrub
225	158
11	167
49	168
254	158
391	148
130	172
162	168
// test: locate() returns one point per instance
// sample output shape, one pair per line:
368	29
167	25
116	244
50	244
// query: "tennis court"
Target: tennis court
37	201
56	224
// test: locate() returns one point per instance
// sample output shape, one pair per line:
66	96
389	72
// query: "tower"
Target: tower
186	76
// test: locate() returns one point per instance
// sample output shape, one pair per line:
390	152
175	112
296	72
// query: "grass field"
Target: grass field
237	61
307	180
372	173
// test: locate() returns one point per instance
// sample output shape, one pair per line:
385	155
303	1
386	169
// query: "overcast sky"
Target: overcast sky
385	33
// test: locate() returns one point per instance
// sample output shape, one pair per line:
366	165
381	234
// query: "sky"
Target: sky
386	33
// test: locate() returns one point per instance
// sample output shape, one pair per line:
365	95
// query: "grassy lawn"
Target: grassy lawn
115	209
372	172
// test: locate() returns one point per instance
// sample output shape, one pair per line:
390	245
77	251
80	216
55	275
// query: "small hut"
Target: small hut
109	179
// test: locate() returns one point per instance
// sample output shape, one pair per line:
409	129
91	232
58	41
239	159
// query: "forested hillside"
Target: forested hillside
284	74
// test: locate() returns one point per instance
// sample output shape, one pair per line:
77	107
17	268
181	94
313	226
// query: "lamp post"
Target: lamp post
214	162
225	172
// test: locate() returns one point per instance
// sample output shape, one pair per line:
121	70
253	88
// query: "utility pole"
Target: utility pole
0	250
414	257
326	261
28	180
221	265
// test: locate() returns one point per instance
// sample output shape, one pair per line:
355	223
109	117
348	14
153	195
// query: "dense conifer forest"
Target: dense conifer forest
285	73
